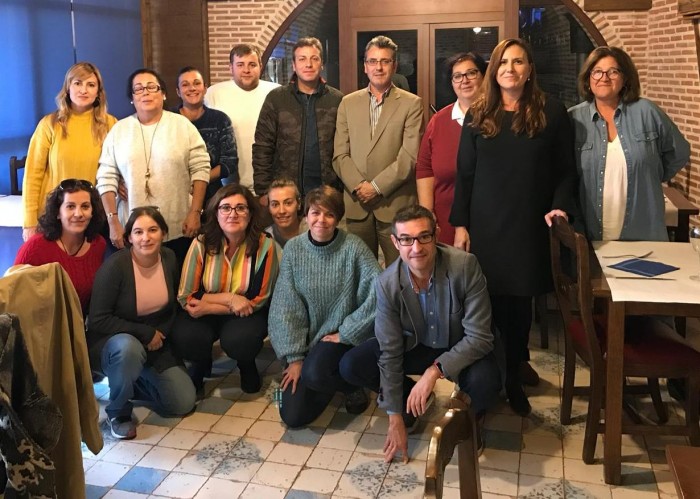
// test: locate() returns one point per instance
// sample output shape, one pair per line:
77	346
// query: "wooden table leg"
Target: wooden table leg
613	392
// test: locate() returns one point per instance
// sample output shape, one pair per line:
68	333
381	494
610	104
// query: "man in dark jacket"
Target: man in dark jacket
294	135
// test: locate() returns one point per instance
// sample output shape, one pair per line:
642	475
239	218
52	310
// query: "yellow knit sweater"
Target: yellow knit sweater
52	158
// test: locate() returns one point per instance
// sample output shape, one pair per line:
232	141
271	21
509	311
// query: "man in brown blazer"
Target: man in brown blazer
377	137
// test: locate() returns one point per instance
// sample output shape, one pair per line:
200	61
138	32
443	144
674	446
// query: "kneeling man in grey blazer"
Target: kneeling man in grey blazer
433	319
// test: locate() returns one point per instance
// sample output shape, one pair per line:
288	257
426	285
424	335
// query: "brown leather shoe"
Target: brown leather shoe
528	375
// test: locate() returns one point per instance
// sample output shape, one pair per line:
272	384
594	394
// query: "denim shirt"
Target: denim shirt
654	149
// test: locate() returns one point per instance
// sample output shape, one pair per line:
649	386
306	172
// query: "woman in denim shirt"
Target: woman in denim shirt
626	147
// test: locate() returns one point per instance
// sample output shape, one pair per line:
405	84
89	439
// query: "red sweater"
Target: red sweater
81	269
437	158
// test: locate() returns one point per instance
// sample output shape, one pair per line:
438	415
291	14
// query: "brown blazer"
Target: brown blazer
388	158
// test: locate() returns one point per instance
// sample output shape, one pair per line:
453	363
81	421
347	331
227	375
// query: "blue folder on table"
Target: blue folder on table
644	268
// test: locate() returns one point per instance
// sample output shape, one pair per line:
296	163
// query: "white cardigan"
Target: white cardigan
178	158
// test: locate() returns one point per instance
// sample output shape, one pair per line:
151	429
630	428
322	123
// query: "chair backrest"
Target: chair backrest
456	429
15	165
572	284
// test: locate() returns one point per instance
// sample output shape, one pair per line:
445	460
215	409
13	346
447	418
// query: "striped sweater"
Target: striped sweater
322	290
243	275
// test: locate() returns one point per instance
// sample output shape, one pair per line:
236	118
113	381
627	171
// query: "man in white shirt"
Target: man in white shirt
241	98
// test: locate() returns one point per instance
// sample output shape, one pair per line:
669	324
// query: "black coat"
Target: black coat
504	187
279	136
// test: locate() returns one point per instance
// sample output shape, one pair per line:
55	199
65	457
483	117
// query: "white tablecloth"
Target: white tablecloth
681	289
10	211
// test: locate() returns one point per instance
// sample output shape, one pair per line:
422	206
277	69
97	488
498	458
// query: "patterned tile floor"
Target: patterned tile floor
234	445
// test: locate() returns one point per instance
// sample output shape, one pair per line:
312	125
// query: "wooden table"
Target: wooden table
617	310
683	463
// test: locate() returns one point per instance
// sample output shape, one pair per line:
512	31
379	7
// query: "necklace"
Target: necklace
66	249
147	157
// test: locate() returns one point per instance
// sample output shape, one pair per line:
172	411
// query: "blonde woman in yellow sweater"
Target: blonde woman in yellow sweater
66	143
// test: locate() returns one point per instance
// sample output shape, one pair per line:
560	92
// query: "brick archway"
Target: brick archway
255	21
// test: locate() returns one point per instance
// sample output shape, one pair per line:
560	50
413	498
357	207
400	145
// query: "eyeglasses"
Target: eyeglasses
240	209
75	183
151	88
612	74
374	62
471	74
408	240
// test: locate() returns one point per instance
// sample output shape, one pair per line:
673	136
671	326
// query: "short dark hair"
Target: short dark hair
412	212
631	90
141	211
382	42
478	61
308	41
326	197
211	233
184	70
153	72
243	49
50	224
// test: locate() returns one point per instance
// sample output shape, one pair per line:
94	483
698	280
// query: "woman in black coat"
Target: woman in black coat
515	171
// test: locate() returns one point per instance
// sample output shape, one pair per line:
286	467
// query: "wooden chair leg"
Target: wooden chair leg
659	405
568	388
595	402
692	410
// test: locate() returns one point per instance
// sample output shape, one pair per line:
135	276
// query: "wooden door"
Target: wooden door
425	33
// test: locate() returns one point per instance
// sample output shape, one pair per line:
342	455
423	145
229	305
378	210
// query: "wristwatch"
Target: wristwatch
113	214
439	367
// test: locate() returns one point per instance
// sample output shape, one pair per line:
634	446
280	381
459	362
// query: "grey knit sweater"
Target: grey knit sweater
322	290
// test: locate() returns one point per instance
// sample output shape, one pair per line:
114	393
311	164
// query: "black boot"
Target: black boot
516	396
250	378
198	371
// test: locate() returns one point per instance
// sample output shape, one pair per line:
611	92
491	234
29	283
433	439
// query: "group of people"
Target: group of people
226	214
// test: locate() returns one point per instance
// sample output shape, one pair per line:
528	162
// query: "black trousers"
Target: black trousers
513	317
241	338
320	379
480	380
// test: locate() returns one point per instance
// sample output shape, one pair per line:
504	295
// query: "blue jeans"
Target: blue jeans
480	380
124	363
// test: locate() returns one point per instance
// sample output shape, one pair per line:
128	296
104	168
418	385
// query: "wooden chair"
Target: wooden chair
650	350
15	165
456	429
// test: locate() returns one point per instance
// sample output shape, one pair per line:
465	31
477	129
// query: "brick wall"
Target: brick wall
239	21
661	43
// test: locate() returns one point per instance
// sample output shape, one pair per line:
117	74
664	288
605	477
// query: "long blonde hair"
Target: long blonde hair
487	110
82	70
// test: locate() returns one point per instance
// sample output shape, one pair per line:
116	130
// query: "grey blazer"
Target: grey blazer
388	157
463	306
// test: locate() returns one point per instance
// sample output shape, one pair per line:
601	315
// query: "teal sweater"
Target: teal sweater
322	290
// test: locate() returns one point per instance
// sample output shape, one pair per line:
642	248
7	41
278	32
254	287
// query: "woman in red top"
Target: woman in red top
68	234
437	158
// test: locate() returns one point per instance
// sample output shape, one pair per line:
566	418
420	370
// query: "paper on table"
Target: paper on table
680	290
